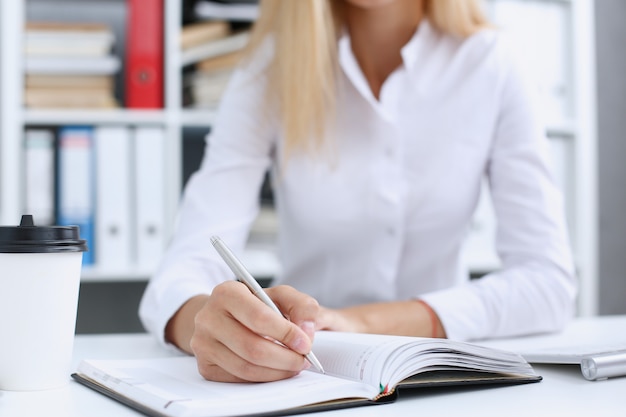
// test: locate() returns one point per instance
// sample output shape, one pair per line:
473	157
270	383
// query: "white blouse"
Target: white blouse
384	214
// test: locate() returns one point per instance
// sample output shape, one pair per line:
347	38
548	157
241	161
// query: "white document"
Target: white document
113	198
39	175
149	196
597	361
598	347
572	354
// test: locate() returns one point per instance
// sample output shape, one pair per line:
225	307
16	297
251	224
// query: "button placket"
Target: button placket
390	201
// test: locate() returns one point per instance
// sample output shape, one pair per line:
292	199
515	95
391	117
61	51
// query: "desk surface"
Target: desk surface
563	390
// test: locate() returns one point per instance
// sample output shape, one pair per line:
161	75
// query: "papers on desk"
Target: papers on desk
597	345
596	361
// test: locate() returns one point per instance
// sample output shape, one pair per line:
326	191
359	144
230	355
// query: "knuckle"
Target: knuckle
284	288
206	370
194	345
219	290
207	367
261	318
311	304
246	371
224	290
198	346
255	353
203	324
289	333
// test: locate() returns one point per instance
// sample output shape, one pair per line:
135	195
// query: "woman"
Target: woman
379	119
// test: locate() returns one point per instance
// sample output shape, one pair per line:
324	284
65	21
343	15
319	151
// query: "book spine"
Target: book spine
58	65
210	9
149	177
113	197
215	48
144	54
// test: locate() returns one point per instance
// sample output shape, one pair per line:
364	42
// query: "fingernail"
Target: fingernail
306	365
308	327
300	345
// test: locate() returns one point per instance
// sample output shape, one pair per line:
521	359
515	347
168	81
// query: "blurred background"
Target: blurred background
139	81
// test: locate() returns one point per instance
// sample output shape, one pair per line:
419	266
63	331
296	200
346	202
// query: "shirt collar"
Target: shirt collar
351	67
411	52
418	43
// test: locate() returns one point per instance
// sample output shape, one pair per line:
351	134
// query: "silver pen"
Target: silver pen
242	275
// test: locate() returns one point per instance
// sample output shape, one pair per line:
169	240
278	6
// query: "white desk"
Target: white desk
562	392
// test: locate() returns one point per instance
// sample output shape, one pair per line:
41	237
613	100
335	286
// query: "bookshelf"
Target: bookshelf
573	132
173	119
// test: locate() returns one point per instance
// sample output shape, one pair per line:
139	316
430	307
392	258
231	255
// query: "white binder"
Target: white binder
113	198
39	175
75	200
149	196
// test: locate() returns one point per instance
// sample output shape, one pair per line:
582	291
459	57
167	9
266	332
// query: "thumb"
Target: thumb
299	308
308	326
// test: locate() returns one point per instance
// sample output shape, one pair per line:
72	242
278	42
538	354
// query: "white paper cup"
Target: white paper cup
39	281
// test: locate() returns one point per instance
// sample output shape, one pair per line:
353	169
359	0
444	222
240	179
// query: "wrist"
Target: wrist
181	325
436	327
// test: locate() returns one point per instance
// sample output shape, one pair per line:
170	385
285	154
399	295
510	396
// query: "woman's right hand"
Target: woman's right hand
235	337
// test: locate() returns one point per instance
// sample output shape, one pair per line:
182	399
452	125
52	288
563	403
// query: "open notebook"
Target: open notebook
360	369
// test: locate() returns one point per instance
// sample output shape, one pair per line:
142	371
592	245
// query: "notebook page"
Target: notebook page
361	357
383	361
174	387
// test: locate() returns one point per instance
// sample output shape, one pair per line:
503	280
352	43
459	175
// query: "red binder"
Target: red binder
144	54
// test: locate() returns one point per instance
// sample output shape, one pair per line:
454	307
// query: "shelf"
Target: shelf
197	117
95	274
117	116
188	118
562	128
261	262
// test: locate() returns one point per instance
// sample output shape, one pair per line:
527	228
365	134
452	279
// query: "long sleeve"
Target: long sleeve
535	289
221	198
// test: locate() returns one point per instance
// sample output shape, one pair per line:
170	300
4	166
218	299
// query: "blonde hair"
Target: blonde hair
302	75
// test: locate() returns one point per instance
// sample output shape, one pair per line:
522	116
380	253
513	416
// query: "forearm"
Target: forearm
407	318
518	300
181	326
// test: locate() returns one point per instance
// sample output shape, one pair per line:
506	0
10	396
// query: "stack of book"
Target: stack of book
210	52
69	65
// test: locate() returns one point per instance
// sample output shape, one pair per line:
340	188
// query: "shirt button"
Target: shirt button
389	152
391	231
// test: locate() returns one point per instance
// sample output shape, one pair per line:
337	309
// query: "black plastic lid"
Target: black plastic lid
28	238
